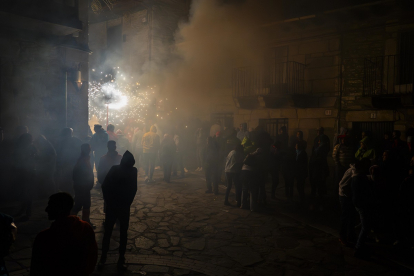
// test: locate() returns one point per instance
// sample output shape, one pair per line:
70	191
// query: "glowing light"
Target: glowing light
93	70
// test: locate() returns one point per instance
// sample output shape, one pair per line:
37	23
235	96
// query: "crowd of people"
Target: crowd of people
375	179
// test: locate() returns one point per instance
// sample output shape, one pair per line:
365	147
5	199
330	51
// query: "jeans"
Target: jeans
178	164
211	177
167	167
149	163
110	218
347	228
233	178
366	225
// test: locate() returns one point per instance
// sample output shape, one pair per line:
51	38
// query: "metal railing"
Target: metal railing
388	75
272	79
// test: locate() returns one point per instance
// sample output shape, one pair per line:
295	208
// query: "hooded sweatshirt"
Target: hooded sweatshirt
120	184
67	248
151	141
106	162
368	152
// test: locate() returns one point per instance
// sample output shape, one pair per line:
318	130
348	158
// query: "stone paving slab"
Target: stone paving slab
176	229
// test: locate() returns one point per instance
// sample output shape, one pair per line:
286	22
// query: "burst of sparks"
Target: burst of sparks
125	101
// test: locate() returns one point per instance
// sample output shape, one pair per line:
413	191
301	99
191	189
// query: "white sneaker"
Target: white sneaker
185	170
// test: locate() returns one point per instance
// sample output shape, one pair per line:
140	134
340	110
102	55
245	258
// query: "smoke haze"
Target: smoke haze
219	36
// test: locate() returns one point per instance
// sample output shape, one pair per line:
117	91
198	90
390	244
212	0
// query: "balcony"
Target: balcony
388	76
277	79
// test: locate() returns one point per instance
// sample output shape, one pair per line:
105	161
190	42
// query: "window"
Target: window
272	126
226	119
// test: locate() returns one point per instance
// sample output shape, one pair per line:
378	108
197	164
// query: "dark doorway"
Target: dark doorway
272	126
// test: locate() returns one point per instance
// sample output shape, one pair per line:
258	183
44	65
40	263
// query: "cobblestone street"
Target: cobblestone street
176	229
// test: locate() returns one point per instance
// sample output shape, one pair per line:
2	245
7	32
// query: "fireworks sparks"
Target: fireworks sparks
126	102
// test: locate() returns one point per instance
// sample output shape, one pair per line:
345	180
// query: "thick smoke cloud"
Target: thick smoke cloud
219	36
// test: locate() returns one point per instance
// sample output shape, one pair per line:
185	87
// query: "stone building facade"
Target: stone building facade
44	66
344	66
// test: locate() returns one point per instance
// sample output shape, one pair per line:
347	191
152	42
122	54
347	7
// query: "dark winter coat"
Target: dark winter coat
120	184
168	148
67	248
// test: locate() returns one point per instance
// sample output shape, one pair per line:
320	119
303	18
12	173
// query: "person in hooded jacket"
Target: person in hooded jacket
119	189
98	144
151	145
68	247
83	180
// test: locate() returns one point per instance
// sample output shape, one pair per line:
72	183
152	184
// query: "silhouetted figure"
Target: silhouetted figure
110	129
234	163
25	172
343	156
200	137
299	137
178	164
283	137
275	166
386	142
68	247
150	145
122	143
301	170
318	163
167	151
363	200
347	234
211	163
98	144
111	158
119	189
8	231
221	143
83	180
67	152
46	166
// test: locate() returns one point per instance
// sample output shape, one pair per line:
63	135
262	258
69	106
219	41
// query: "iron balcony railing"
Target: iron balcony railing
388	75
274	79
